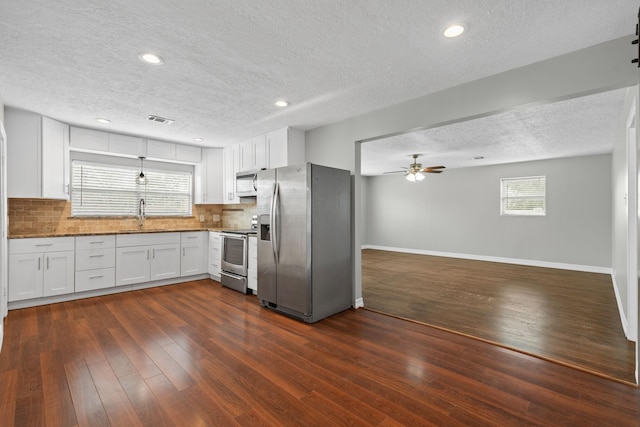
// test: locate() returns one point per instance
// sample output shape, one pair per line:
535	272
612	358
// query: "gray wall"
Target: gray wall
594	69
620	226
459	212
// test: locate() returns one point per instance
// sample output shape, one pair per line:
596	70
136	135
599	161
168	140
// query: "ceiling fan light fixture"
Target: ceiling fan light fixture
419	176
410	177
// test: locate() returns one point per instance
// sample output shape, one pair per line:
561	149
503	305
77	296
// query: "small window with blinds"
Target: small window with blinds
523	196
112	190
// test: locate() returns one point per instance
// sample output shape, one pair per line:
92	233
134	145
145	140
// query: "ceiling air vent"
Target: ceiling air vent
159	119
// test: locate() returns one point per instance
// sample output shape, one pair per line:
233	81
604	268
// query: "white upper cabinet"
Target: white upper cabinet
286	147
88	139
212	176
253	154
171	151
188	153
95	140
161	150
38	153
230	165
127	145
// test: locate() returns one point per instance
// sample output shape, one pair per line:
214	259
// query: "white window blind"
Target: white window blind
523	196
112	190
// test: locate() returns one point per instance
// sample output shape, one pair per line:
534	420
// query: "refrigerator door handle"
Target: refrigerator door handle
274	221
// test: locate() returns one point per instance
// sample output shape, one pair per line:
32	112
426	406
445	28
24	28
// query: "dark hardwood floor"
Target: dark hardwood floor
567	316
197	354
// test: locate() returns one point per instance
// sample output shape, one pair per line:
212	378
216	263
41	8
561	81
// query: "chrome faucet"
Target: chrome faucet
141	216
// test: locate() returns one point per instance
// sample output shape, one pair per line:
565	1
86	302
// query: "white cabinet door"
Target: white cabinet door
260	153
286	147
25	276
188	153
132	265
191	259
88	139
165	262
161	150
245	156
59	273
231	159
128	145
55	159
212	176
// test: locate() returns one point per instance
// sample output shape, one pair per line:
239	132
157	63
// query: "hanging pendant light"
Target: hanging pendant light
141	179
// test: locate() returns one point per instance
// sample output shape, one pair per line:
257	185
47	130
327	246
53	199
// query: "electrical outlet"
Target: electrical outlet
216	218
201	218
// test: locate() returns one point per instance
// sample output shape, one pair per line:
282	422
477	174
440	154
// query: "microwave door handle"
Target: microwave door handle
255	182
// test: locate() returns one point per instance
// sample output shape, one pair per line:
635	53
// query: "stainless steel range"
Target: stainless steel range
235	248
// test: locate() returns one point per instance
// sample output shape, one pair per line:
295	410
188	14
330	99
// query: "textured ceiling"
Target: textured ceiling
575	127
226	62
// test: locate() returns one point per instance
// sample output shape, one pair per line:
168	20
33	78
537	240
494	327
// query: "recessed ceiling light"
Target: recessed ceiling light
198	139
281	103
103	121
151	58
454	31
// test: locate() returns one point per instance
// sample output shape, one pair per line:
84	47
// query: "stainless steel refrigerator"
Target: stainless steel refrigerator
304	240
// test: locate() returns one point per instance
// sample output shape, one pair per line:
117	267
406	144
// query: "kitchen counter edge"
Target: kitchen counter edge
101	233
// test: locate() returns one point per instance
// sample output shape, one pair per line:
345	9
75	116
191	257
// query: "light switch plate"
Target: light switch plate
201	218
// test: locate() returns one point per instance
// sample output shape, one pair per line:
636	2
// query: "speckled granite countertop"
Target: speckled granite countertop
102	233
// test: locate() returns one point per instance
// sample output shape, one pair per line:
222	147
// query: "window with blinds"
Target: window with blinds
523	196
112	190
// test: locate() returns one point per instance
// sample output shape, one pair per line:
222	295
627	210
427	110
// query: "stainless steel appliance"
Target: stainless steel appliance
246	184
233	267
304	240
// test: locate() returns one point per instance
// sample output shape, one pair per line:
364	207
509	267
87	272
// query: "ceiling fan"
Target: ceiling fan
415	171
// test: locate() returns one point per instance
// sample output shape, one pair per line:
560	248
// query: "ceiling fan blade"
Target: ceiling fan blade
433	169
386	173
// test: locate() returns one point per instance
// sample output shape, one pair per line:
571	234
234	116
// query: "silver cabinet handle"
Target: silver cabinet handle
39	263
45	244
47	263
96	256
147	253
154	254
96	277
182	251
97	242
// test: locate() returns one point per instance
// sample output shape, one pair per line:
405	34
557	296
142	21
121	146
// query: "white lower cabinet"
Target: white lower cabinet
147	257
252	266
194	252
41	267
215	254
95	262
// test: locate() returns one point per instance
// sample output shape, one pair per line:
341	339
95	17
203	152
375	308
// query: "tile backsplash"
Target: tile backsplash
51	217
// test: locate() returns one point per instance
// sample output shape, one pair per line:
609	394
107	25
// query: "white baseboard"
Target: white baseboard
532	263
623	319
359	303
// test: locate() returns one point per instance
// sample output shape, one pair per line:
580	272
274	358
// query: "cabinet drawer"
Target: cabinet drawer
190	237
95	279
95	242
144	239
95	258
45	244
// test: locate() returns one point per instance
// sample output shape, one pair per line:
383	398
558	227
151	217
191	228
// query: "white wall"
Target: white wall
620	226
597	68
458	212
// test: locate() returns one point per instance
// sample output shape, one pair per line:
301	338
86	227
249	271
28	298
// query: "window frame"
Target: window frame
132	164
504	211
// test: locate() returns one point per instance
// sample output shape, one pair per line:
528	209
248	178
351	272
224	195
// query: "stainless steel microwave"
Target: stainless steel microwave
246	185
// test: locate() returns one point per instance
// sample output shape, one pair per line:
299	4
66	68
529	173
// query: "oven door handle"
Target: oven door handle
274	221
